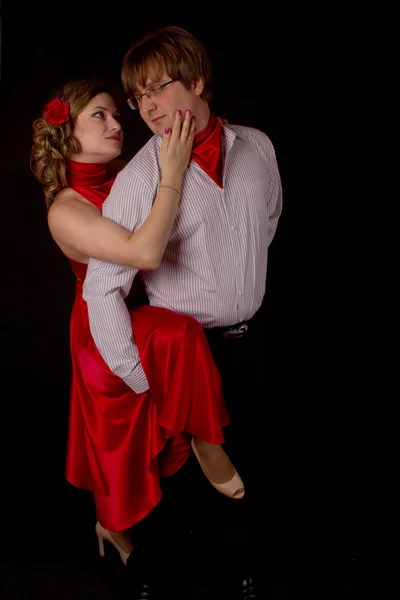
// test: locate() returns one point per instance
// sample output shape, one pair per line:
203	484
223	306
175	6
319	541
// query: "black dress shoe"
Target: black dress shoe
249	590
146	592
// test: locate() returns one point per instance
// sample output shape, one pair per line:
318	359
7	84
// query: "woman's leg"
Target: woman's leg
185	385
214	461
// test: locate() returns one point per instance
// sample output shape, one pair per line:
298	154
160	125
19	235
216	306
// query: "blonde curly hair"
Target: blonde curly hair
54	144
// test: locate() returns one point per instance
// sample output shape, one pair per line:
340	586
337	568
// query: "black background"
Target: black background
263	67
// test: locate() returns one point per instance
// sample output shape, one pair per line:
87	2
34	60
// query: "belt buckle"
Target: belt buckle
235	332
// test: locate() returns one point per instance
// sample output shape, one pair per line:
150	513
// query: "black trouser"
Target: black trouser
242	365
189	501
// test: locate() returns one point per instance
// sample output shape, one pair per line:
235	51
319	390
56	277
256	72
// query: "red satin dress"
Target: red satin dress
120	443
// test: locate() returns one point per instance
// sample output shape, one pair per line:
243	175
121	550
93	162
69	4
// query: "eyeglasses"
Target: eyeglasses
154	90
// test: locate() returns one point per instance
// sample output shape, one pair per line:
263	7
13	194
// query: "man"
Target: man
214	267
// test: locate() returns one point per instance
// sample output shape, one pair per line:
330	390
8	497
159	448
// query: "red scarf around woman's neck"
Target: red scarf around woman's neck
207	149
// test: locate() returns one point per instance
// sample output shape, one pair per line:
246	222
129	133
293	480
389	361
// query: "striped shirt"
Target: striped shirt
215	263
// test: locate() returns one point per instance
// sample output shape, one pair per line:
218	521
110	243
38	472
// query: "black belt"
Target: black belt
235	331
232	331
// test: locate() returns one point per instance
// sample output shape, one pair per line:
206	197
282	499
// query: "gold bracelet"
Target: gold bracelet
171	188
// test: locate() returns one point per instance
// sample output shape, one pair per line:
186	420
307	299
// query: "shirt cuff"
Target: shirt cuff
137	381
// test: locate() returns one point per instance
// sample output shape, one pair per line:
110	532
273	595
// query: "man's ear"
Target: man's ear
198	86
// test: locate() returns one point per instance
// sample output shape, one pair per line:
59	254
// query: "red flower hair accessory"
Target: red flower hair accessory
56	112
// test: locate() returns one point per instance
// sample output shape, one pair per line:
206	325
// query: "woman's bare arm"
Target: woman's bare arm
78	226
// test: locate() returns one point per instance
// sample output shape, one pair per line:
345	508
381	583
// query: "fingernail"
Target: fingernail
189	112
194	117
166	130
179	112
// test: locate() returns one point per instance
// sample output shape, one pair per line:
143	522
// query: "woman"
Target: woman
121	443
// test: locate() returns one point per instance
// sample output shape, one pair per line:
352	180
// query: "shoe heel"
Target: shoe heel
101	545
104	534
